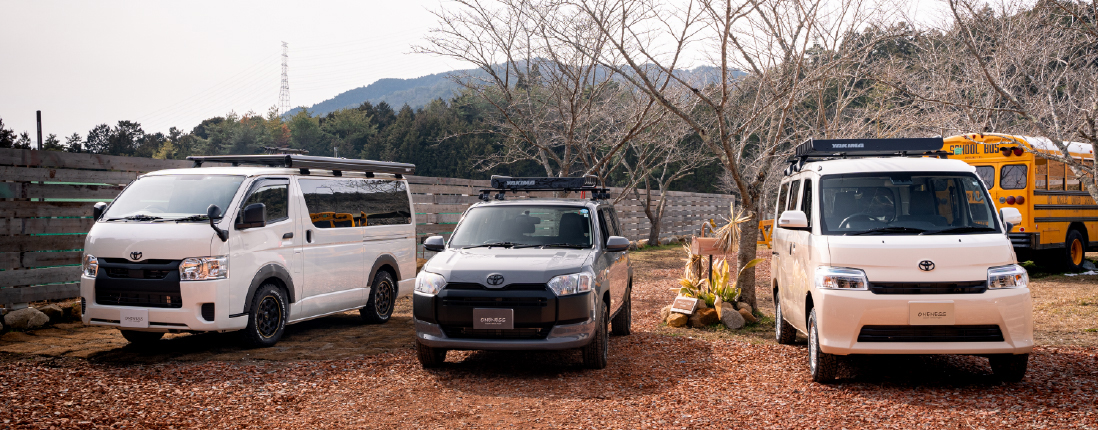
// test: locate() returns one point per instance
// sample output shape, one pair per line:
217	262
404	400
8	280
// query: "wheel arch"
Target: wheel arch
1082	230
387	263
270	273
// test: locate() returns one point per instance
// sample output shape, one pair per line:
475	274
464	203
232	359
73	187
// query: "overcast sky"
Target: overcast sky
166	64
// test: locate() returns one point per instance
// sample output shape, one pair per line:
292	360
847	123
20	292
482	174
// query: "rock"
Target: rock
1087	265
642	243
701	304
74	310
747	316
677	320
704	318
732	319
632	245
54	312
726	308
665	312
742	305
25	319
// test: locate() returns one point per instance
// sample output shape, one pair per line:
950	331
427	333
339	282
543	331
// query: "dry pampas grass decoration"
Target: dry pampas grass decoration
728	236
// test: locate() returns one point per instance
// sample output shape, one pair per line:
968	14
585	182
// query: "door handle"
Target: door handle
792	248
289	235
309	236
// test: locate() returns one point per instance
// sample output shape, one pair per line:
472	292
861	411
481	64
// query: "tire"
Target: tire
141	337
821	365
430	357
784	332
595	354
1008	367
622	323
267	317
383	292
1074	253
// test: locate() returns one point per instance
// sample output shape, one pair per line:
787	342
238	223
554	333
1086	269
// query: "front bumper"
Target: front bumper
186	317
566	336
844	314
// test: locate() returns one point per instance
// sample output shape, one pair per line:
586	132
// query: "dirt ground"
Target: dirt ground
339	373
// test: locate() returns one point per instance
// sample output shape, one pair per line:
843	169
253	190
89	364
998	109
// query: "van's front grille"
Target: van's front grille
151	300
971	287
930	333
509	287
516	333
121	273
496	302
150	283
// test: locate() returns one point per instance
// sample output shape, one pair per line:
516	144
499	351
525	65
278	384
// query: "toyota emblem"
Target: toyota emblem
926	265
495	279
135	256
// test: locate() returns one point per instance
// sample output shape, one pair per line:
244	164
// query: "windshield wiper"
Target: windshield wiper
138	217
561	245
489	245
888	230
189	218
965	229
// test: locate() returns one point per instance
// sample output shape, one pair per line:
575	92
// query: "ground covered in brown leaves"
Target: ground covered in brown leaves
658	378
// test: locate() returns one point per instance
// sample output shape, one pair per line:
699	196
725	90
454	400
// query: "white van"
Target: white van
880	249
287	239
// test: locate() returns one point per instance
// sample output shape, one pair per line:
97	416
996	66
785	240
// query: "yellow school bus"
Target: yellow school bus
331	219
1059	218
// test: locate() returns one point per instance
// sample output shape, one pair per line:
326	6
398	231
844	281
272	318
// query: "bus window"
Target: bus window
1071	183
1055	175
987	174
1013	177
1040	174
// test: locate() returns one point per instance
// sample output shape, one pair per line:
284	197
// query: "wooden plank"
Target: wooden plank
39	293
24	190
431	208
443	189
444	199
439	218
41	243
32	174
69	160
24	209
434	228
26	260
49	275
44	225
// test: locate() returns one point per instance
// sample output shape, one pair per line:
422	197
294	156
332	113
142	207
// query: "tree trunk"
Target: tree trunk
749	234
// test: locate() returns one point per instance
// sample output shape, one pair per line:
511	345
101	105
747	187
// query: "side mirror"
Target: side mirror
793	220
254	215
213	213
1011	217
434	244
617	244
98	209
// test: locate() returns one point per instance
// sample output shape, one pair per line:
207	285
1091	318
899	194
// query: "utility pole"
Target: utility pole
284	92
39	130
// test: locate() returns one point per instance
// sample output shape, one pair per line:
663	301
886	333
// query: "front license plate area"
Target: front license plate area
134	318
940	313
493	319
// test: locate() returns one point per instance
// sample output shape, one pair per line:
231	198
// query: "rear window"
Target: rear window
1013	177
986	174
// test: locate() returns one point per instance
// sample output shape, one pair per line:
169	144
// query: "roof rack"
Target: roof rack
502	184
283	150
306	162
830	149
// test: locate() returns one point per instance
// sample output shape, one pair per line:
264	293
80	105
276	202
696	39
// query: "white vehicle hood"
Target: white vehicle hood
161	241
518	266
957	258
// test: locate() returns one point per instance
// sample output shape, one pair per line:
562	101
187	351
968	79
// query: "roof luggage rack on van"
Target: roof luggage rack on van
306	162
502	184
830	149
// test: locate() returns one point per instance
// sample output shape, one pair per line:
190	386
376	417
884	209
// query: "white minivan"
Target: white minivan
883	248
266	241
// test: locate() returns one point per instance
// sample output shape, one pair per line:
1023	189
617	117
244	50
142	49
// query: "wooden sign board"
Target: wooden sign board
684	305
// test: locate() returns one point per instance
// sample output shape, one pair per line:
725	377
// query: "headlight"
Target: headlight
840	278
90	266
575	283
204	268
1012	276
429	283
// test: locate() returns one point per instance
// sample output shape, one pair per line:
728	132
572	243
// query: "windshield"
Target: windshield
174	196
905	203
524	225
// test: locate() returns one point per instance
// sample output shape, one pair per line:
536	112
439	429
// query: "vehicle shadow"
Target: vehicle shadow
560	374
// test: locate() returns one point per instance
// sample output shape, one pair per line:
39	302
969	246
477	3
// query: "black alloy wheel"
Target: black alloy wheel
596	354
267	318
383	294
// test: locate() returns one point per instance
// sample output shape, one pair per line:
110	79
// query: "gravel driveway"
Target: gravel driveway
657	378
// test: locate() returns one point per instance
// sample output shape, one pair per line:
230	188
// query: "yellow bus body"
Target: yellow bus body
1054	200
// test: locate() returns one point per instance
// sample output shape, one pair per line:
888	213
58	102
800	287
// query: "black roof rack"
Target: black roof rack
502	184
306	162
829	149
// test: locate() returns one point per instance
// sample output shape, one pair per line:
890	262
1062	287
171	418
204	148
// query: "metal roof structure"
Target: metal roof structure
306	162
502	184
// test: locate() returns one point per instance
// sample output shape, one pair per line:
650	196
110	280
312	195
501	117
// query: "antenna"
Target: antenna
284	92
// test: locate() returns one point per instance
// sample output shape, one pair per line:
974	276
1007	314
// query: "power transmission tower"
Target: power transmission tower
284	92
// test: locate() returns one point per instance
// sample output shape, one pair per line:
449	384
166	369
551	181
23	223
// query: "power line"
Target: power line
284	91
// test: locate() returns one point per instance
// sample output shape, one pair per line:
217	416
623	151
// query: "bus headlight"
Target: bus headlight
1010	276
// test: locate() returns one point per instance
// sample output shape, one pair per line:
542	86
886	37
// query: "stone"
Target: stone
642	243
25	319
747	316
726	308
732	319
632	245
54	312
665	312
742	305
704	318
677	320
1088	265
701	304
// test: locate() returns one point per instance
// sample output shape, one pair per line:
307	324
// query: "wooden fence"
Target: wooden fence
46	200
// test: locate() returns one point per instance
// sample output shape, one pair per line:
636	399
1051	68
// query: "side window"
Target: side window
1013	177
783	194
276	197
604	225
806	200
793	188
614	220
1071	183
987	174
335	203
1055	175
1040	174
